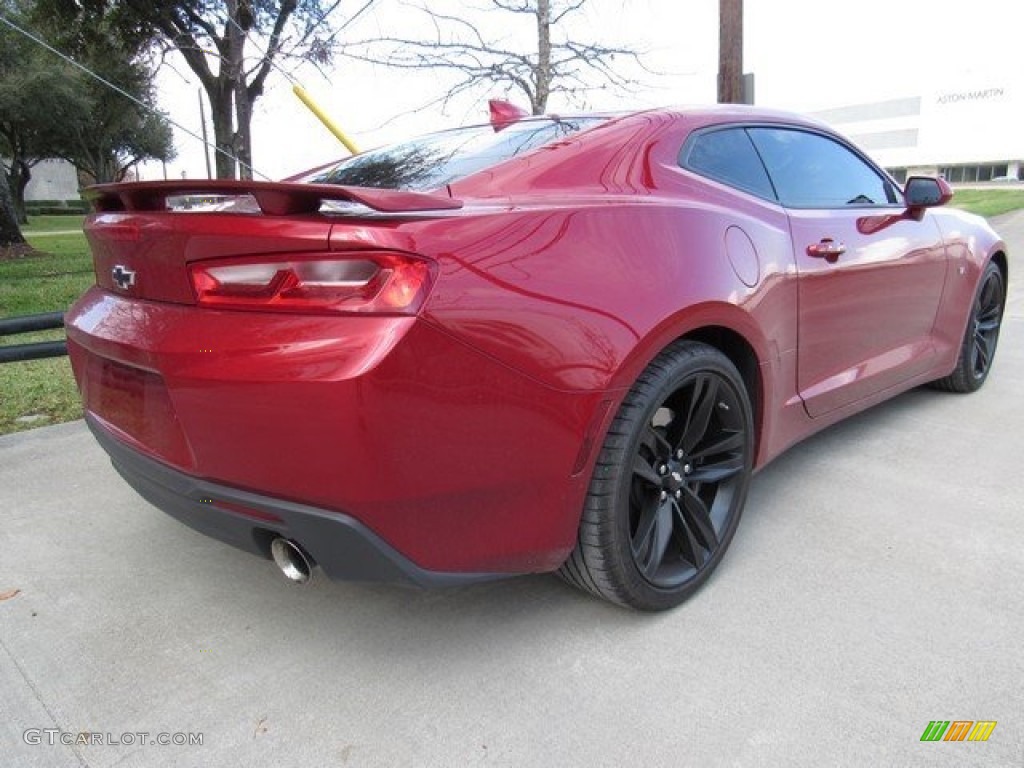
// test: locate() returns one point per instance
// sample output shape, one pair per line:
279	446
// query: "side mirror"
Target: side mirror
926	192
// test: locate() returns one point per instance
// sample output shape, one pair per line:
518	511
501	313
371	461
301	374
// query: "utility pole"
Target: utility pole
206	141
730	52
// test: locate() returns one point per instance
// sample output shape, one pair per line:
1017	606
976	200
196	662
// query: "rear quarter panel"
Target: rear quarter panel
970	245
582	297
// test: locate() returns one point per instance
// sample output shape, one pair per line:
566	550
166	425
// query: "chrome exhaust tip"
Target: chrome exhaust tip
294	563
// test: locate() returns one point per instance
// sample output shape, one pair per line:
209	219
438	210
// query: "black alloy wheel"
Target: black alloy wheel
670	483
978	349
986	316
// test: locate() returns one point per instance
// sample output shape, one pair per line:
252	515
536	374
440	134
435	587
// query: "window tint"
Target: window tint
437	159
729	157
813	171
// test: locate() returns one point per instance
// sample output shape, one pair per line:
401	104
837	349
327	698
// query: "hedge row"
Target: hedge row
55	207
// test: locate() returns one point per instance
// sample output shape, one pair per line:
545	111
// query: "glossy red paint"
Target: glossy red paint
465	435
273	198
504	113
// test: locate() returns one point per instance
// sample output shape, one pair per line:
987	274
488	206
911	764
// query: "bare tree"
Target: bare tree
556	64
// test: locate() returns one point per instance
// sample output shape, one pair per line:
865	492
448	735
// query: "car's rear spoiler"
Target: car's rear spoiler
274	198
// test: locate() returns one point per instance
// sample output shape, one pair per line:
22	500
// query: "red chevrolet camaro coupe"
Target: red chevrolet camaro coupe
543	344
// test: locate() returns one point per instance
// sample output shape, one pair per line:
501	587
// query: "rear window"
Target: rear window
437	159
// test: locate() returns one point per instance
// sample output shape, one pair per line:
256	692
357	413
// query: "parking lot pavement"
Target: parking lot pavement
874	586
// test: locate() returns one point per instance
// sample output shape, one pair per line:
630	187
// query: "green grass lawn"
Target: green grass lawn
988	202
48	282
52	224
35	393
41	392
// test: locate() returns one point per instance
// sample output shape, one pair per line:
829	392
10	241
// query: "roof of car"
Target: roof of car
699	114
738	113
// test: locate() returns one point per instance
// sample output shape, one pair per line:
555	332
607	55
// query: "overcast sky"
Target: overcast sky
805	54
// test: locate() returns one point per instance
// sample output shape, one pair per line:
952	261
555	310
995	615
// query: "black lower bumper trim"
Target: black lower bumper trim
343	547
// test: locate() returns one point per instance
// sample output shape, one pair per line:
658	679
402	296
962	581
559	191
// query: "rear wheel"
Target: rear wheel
978	349
669	484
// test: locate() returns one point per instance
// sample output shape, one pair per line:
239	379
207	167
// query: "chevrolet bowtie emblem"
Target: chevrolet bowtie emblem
124	278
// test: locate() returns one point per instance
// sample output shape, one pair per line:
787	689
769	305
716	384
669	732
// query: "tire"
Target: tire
669	484
978	348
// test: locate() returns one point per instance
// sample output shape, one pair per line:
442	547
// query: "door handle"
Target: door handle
828	249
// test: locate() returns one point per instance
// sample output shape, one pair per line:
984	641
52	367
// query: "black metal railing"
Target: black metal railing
43	321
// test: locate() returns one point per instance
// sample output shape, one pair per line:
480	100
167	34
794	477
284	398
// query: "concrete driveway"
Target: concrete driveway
876	584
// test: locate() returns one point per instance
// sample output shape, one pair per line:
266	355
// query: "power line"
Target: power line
118	89
269	55
263	53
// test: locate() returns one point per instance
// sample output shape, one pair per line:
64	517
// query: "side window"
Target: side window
728	156
813	171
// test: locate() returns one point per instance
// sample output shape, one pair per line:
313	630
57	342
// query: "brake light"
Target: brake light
364	283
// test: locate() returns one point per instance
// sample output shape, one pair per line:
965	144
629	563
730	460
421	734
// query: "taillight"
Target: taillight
364	283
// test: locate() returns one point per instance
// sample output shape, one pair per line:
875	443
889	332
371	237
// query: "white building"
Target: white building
55	180
969	134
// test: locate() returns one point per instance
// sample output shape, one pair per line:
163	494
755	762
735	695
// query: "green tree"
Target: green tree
216	39
32	91
10	232
104	134
49	109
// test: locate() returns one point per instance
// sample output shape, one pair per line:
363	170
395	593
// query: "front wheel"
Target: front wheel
978	348
670	482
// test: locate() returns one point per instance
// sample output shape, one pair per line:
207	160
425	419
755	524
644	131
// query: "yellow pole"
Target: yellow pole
306	99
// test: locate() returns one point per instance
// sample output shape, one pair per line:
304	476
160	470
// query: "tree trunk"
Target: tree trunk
241	12
243	134
542	86
223	131
20	176
105	172
10	233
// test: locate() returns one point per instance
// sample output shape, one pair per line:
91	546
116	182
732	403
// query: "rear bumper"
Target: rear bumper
458	462
343	547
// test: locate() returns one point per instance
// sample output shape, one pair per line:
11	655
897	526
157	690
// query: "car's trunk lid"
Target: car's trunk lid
145	255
